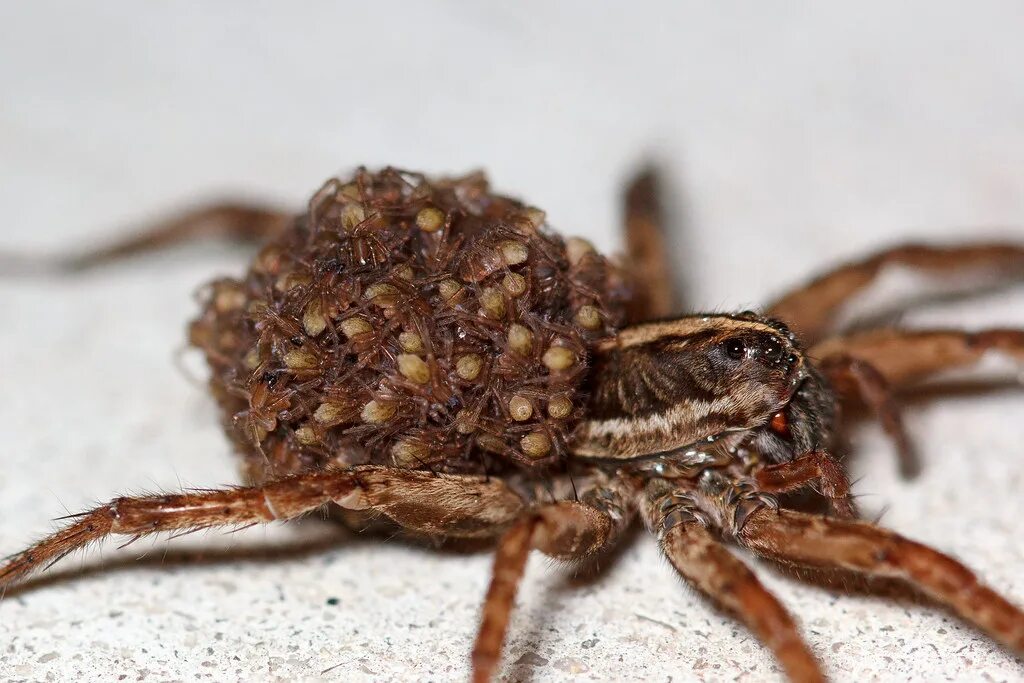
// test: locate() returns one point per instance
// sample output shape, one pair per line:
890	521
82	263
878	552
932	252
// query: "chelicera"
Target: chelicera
433	355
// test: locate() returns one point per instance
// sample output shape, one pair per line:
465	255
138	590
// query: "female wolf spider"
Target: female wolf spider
431	354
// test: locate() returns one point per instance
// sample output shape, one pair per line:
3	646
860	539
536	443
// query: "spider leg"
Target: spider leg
822	542
856	377
649	261
903	357
812	308
709	566
872	365
566	530
466	506
817	466
227	221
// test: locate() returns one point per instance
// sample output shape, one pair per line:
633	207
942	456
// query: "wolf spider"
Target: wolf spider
697	424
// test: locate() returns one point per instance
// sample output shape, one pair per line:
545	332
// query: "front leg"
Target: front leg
812	309
708	566
905	357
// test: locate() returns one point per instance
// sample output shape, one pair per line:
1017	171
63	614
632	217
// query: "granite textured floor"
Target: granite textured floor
793	137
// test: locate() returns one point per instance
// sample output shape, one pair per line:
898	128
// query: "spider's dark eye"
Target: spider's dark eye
735	348
773	351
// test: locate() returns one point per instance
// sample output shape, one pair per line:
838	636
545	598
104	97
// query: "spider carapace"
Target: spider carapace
433	354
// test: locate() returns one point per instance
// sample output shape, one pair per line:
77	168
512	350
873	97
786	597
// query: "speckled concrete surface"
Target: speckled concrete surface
794	137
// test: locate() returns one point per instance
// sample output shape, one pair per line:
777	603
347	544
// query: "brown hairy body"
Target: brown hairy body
431	353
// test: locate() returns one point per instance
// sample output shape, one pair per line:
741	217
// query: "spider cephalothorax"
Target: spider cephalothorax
662	387
434	354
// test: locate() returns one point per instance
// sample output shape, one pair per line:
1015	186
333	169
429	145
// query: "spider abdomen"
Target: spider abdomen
405	321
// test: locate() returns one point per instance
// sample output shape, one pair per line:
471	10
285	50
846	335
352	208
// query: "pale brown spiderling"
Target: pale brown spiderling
434	354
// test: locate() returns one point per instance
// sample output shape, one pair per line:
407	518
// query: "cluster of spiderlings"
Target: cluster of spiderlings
402	321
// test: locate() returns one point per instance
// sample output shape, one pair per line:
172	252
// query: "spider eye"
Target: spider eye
773	351
735	349
780	425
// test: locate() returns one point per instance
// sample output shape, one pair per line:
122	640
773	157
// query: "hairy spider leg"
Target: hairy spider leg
649	261
873	365
812	308
903	357
707	565
455	505
854	377
233	222
828	543
566	530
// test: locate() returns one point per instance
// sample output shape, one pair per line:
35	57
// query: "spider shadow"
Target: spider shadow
574	577
178	559
333	535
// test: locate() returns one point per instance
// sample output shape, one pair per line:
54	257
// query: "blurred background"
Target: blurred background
792	135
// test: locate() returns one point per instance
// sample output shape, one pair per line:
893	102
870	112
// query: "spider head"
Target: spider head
677	385
804	424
